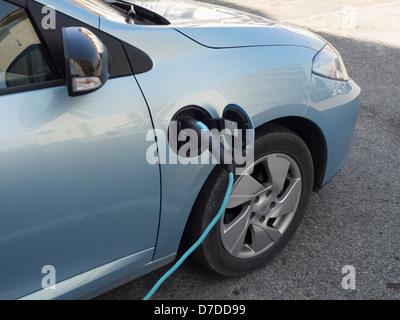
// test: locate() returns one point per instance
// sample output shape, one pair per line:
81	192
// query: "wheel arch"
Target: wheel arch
313	137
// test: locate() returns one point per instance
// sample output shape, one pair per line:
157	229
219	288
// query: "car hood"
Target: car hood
220	27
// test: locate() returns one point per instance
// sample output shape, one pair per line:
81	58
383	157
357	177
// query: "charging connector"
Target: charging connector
209	141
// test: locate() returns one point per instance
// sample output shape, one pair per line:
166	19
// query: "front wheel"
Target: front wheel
264	209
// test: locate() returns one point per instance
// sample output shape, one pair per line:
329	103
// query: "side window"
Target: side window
23	58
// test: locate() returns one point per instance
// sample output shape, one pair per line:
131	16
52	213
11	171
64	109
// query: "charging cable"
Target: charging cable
211	142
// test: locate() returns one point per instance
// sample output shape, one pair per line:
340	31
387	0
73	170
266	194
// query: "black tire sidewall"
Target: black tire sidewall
212	253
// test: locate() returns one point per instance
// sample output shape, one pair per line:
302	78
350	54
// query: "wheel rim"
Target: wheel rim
262	206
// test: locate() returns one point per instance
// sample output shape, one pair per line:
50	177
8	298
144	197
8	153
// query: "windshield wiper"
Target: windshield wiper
126	9
131	15
135	12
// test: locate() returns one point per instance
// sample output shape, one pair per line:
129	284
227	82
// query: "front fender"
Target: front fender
267	82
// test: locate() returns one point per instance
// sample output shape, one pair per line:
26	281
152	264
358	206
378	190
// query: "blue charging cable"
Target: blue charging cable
197	244
204	130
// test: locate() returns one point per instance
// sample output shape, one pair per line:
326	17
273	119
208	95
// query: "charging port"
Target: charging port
234	120
175	127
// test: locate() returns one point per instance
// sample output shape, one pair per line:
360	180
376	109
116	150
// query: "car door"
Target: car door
76	191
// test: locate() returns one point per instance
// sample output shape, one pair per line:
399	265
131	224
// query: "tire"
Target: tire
257	224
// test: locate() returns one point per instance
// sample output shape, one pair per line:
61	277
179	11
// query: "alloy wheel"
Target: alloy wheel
262	205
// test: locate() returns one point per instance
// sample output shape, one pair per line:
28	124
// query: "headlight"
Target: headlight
328	63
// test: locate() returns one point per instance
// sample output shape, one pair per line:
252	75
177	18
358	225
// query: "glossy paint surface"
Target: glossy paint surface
74	182
259	79
334	106
199	20
77	191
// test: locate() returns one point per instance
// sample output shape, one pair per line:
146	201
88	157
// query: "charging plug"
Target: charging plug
208	140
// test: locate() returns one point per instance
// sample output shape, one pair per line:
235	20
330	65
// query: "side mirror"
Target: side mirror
87	62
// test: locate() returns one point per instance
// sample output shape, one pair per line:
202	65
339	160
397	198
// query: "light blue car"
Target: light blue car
93	194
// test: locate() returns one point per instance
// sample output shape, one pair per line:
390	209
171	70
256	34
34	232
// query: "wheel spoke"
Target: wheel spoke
278	168
234	233
289	200
245	190
263	236
267	201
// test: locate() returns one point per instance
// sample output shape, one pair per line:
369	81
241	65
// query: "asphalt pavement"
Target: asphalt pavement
355	219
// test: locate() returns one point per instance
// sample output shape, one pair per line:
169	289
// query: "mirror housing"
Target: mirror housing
87	62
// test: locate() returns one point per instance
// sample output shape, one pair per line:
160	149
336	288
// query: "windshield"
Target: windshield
102	9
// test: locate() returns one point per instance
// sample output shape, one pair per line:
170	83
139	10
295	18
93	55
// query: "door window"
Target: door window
23	58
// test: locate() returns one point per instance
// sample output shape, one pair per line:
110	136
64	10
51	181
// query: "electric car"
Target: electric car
93	193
